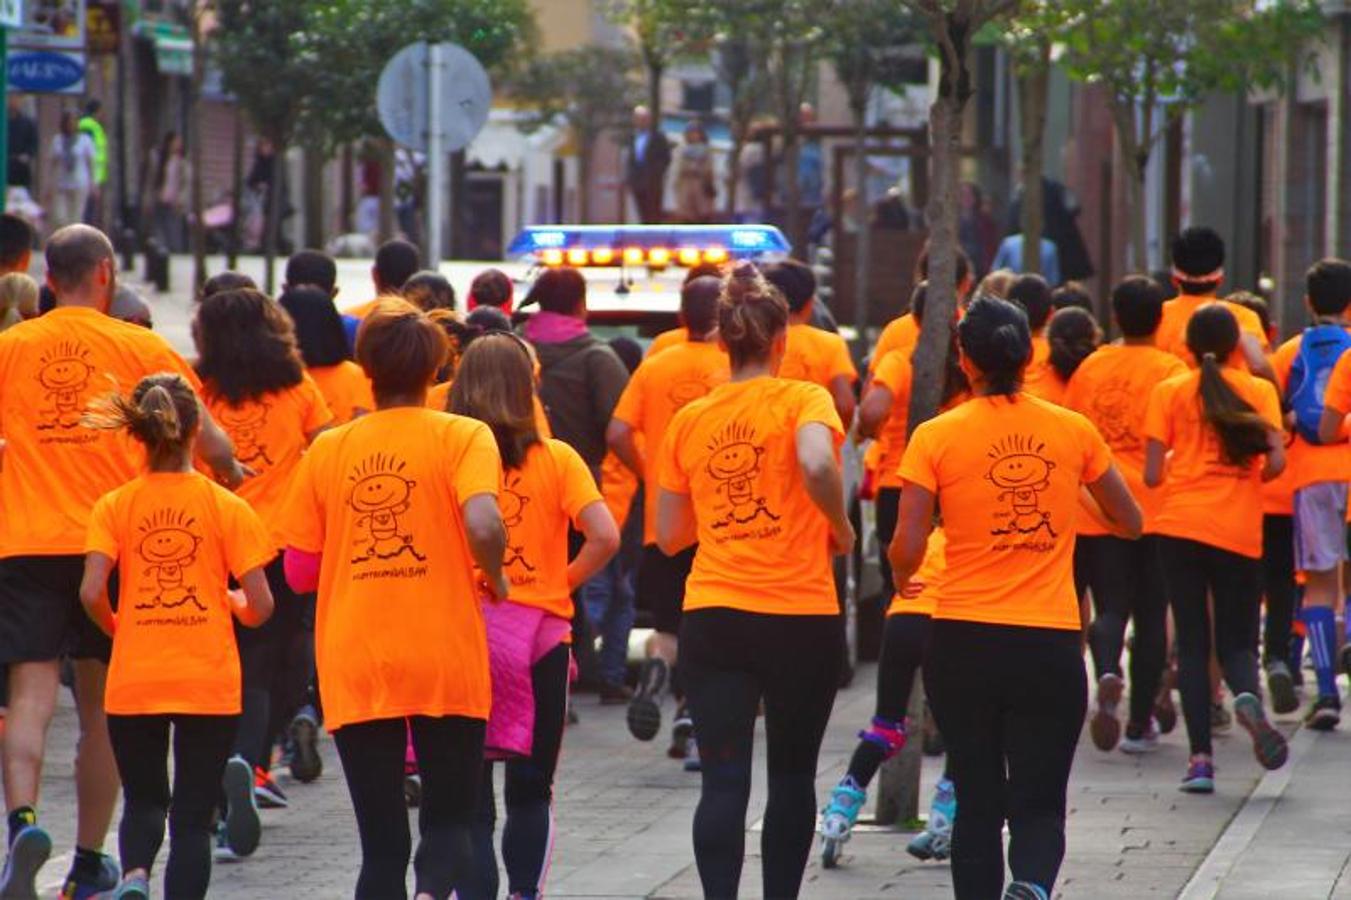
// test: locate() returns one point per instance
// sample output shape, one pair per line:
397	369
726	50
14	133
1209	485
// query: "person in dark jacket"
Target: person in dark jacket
649	156
1060	226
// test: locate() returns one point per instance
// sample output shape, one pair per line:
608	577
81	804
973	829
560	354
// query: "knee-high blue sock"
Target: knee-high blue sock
1321	626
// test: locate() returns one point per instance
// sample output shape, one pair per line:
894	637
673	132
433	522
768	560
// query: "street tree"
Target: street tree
664	30
739	61
864	42
588	89
1157	59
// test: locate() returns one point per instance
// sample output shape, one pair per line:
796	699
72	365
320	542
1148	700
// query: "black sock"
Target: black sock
20	819
88	865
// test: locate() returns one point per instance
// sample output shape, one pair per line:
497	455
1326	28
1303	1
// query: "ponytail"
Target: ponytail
1242	432
162	414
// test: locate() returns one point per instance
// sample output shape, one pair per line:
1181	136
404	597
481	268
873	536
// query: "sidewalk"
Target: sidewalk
624	812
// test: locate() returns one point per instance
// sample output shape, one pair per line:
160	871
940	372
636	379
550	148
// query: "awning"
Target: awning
502	144
172	43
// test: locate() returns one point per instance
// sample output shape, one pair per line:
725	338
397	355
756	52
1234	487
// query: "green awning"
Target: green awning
173	45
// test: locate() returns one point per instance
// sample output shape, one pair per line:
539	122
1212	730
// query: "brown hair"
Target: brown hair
1212	336
400	349
751	314
228	280
247	345
429	290
162	413
491	287
496	385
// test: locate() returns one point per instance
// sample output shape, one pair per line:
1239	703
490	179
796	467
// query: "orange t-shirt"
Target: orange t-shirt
763	544
1007	475
1112	387
362	310
896	374
177	538
398	631
438	398
1278	495
930	574
538	501
270	435
816	356
1206	499
1172	333
1039	379
1314	463
901	333
54	468
346	389
618	485
668	339
660	388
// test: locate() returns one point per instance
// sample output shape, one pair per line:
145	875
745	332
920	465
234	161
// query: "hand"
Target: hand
841	538
495	590
237	598
912	589
233	475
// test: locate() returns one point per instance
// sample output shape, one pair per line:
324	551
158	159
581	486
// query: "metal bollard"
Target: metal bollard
157	265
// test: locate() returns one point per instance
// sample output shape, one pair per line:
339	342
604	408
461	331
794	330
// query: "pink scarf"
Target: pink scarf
553	328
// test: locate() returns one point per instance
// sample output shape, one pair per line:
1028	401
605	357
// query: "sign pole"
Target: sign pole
4	120
436	154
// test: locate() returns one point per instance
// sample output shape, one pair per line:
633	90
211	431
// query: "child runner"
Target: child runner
751	474
54	471
1033	294
388	516
660	388
1223	427
1304	365
902	332
256	387
175	538
1112	389
1072	336
1006	469
547	489
324	348
820	357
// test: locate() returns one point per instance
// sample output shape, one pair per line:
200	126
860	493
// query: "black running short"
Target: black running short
41	617
661	584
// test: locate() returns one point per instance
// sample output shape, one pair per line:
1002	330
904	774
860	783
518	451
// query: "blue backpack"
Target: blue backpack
1318	353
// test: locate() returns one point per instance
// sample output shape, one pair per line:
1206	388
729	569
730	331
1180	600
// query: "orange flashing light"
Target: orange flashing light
688	256
602	256
633	256
552	257
715	255
659	256
577	257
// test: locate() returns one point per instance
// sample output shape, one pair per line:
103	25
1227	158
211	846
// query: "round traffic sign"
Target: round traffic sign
402	96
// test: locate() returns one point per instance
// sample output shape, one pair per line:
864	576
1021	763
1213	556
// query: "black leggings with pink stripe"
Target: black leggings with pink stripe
527	836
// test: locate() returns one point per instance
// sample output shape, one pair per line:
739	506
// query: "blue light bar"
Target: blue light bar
740	241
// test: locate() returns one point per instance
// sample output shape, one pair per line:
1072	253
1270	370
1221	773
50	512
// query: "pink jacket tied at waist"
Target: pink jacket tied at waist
518	637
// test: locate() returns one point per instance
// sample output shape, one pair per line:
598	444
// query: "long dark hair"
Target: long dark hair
247	346
995	336
495	384
318	326
1073	335
1212	336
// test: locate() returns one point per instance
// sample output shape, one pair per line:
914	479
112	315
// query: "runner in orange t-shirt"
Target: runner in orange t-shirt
1223	427
820	357
1112	387
54	470
663	385
323	346
388	516
256	386
1007	470
1072	337
396	261
176	538
546	489
1033	294
751	473
1198	272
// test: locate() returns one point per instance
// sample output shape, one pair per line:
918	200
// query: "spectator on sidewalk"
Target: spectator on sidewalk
171	191
89	124
649	156
1010	256
23	143
72	174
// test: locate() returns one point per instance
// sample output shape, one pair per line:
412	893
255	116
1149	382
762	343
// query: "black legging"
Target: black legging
141	747
732	660
1127	582
528	832
903	643
886	509
450	761
1011	723
1193	570
277	660
1278	582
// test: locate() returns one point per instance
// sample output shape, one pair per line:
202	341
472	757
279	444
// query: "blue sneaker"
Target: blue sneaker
31	848
137	888
935	841
243	829
110	873
1200	776
840	814
1025	890
1268	744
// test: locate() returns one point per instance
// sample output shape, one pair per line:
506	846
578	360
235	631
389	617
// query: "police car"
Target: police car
634	275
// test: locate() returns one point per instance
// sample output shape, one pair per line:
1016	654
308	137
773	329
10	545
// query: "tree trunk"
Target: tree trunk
195	126
236	192
792	189
314	197
386	229
1033	86
655	68
345	203
734	171
584	145
274	213
1135	159
863	242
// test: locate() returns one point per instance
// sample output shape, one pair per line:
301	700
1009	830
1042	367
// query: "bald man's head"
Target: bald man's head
699	305
76	258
